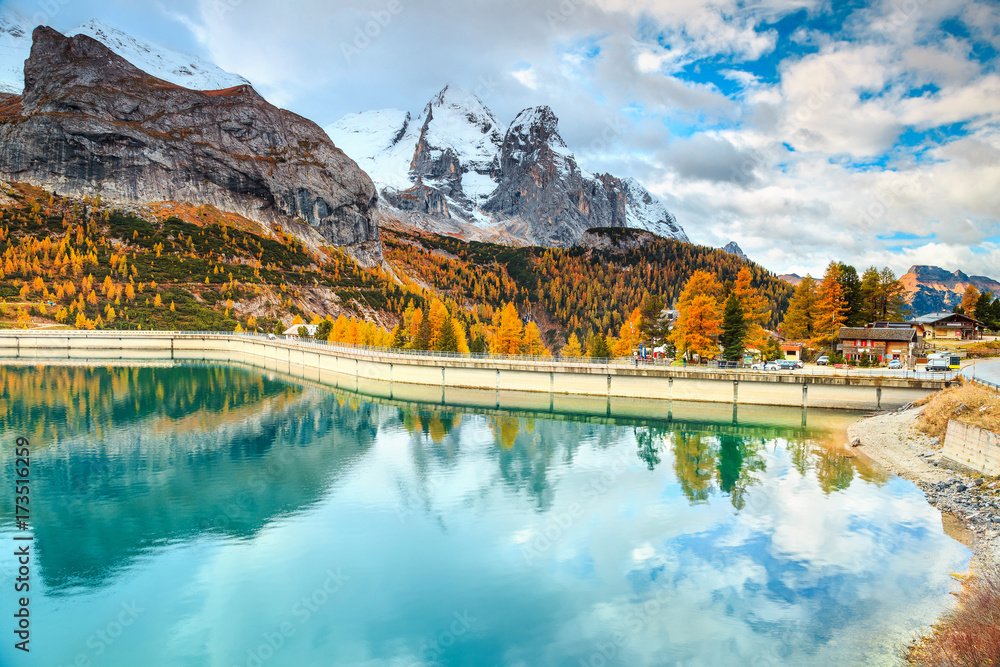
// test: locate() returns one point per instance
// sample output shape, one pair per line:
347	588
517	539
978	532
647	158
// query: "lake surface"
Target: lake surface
220	516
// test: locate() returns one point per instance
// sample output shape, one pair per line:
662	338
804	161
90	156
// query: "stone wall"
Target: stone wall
972	447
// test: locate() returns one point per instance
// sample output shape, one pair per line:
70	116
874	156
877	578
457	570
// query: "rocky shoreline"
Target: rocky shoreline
892	441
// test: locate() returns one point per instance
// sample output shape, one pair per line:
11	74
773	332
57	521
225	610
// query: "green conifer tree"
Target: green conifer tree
424	333
734	329
447	341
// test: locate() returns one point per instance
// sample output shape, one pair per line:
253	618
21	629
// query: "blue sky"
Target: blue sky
806	130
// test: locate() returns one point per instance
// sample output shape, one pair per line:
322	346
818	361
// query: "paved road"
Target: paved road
987	369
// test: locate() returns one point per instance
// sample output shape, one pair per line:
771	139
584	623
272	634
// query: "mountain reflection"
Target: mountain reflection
127	458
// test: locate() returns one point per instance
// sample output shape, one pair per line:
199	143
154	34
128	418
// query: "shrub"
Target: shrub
970	635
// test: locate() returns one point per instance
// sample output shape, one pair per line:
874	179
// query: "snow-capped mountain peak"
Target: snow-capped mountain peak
537	125
179	69
733	248
182	70
381	142
455	169
644	211
460	136
15	45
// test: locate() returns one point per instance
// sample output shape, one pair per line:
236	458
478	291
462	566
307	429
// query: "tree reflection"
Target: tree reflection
650	441
694	464
168	453
739	461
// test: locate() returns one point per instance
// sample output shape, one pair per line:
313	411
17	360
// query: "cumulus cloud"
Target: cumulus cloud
709	158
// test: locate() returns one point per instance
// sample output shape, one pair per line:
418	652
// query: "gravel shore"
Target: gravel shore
892	441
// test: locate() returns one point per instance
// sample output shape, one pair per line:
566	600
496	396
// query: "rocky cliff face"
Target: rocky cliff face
733	248
91	123
456	170
541	182
458	142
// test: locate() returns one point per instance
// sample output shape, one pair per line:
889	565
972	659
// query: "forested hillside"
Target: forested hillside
80	263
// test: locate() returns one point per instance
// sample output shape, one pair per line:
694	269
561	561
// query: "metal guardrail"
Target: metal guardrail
985	383
621	362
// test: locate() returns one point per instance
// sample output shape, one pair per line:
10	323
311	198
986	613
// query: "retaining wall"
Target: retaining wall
972	447
346	366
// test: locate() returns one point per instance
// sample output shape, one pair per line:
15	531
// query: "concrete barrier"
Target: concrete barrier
446	377
972	447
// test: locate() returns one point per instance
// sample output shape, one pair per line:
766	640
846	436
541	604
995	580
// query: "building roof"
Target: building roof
937	318
294	329
889	325
862	333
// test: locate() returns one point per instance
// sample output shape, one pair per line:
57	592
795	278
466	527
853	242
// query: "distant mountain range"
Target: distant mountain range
931	289
791	278
455	169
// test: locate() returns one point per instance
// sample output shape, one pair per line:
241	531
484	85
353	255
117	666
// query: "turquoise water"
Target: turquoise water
218	516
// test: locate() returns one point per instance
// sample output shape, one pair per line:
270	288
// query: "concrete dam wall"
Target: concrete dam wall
349	367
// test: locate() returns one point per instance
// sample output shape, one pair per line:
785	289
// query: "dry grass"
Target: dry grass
970	635
988	348
966	402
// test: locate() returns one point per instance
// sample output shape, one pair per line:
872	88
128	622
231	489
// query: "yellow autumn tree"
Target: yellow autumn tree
460	336
572	348
339	332
438	313
628	336
699	316
756	310
531	342
508	332
831	307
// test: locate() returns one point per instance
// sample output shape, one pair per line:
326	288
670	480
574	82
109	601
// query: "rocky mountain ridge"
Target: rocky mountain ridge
91	123
177	68
931	289
733	248
455	169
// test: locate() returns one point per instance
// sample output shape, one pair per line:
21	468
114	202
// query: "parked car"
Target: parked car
759	366
786	364
895	364
799	364
772	366
823	361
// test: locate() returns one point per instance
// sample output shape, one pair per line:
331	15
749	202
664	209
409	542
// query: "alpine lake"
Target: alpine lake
192	515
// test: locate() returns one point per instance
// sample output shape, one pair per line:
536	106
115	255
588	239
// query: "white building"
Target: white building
292	332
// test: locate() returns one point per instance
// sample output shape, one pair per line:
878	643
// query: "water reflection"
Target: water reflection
219	498
132	457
